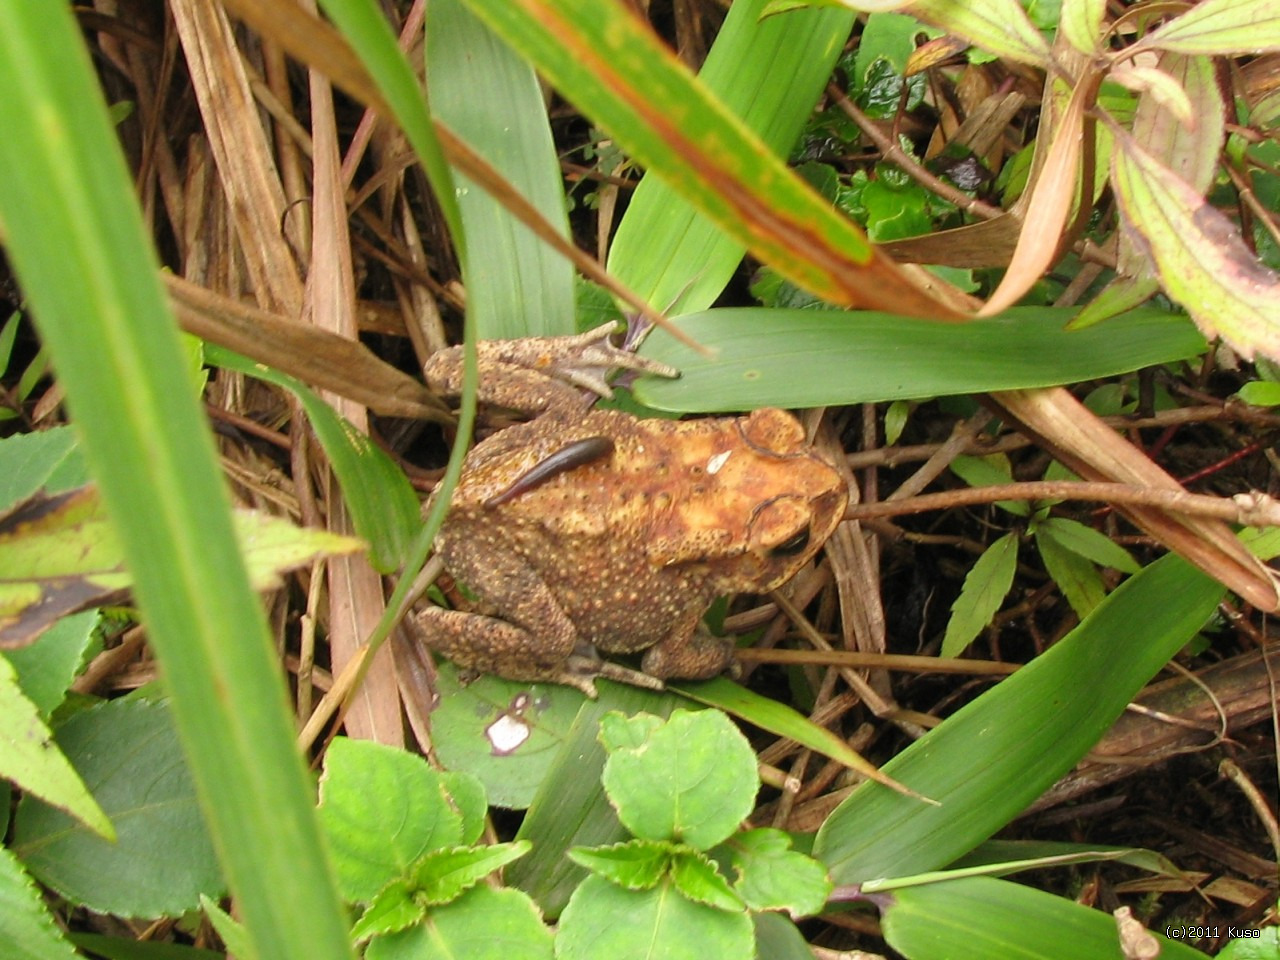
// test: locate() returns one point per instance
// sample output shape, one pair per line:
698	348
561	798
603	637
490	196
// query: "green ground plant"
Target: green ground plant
610	829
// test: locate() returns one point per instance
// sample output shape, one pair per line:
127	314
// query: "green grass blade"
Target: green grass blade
868	357
366	29
608	62
519	287
77	242
988	761
981	918
770	73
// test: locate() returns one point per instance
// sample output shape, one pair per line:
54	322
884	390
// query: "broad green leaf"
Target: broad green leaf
1221	27
610	64
778	939
383	506
867	357
603	920
1264	946
980	918
383	809
695	876
784	721
162	860
27	929
989	760
767	72
482	924
1260	393
517	285
570	808
30	758
1198	254
772	876
503	733
635	865
693	780
70	211
1091	544
985	587
1076	577
27	460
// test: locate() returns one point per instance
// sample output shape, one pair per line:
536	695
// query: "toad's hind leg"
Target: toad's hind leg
533	640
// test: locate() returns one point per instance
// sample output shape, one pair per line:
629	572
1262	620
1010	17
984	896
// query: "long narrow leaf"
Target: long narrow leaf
997	754
601	56
518	286
868	357
768	72
76	239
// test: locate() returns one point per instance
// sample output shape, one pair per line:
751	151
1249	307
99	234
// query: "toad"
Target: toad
588	531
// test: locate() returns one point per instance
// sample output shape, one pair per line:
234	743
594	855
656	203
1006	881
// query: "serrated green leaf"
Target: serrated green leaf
772	876
1091	544
392	910
635	865
162	860
26	927
693	779
443	875
695	876
60	555
985	587
30	758
1076	577
47	667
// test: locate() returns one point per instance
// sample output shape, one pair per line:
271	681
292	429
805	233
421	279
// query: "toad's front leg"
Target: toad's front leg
536	374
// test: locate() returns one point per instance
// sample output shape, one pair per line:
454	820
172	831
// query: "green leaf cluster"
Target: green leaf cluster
403	839
683	787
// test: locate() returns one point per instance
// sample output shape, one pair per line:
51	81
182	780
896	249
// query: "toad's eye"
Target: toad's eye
792	545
